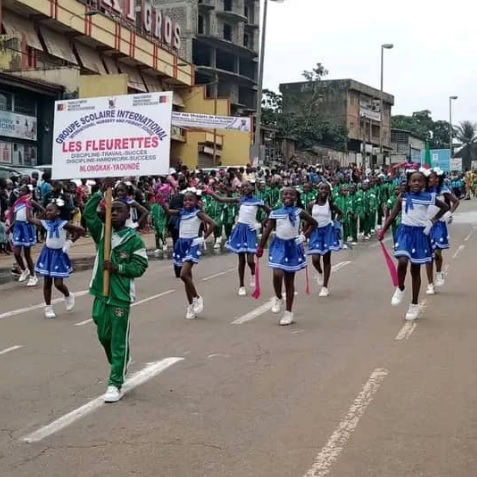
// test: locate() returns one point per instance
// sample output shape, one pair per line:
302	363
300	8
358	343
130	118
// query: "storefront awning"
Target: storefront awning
16	25
90	59
111	66
135	79
58	45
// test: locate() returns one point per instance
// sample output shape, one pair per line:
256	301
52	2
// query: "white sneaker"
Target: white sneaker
190	315
276	305
430	290
24	275
113	394
354	243
164	248
70	302
440	280
397	297
49	312
252	281
198	305
157	253
33	281
242	291
287	319
412	313
367	237
320	280
324	292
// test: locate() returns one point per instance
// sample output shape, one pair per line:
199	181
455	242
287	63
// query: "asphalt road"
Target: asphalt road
350	390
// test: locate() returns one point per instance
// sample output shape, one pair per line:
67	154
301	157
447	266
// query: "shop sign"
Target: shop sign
152	22
209	121
17	125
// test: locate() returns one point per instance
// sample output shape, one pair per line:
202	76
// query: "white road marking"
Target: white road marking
149	372
251	315
467	237
408	328
218	355
140	302
12	348
215	275
335	445
27	309
458	251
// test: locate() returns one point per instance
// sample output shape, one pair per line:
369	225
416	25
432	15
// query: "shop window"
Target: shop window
25	104
227	32
201	28
6	101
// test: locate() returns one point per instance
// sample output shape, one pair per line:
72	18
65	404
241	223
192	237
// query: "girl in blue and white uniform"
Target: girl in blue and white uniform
244	240
187	249
326	237
287	254
413	243
439	233
53	263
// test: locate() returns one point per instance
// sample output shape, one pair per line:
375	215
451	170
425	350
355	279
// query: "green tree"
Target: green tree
466	133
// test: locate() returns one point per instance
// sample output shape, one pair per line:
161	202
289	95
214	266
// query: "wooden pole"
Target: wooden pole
107	238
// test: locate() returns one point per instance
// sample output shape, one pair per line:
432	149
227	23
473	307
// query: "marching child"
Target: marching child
128	261
243	240
325	238
286	254
439	233
24	234
412	242
53	264
187	249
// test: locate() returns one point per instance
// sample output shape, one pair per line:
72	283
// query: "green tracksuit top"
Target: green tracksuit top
128	252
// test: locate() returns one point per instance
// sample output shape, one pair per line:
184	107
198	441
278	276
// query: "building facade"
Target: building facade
221	38
405	146
353	105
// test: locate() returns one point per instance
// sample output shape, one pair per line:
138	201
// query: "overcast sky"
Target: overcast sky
434	53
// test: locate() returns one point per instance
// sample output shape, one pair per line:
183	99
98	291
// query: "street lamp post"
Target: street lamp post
451	131
261	64
385	46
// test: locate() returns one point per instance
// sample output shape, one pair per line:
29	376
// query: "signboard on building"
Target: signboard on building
17	125
147	19
125	135
456	164
369	108
208	121
439	158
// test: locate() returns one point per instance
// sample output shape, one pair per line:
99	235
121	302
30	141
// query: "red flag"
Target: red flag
256	292
390	264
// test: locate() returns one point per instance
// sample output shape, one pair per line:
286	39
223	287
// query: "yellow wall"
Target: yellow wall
236	144
91	86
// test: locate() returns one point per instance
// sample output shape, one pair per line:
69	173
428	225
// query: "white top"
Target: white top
433	209
189	224
416	214
20	212
247	214
55	233
322	214
284	228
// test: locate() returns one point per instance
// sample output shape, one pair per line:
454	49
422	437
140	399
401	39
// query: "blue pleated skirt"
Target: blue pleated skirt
24	234
53	262
286	255
439	236
324	240
185	252
243	239
411	242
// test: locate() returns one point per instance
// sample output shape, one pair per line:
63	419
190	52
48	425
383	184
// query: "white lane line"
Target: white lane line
215	275
149	372
12	348
40	306
458	251
408	328
329	454
467	237
140	302
251	315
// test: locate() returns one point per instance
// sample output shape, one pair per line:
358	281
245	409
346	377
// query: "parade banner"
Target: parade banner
117	136
208	121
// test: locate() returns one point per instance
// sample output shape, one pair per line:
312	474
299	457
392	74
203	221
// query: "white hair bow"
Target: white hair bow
438	171
426	172
58	202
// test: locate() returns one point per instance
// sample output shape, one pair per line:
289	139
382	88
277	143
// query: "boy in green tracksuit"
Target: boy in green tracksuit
159	222
341	202
360	208
230	213
391	202
215	211
111	313
371	205
308	195
353	218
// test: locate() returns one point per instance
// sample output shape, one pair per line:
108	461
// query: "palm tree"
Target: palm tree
466	133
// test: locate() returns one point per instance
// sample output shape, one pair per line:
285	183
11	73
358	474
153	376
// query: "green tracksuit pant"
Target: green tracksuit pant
112	324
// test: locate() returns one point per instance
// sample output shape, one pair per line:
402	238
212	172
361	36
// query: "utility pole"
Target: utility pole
216	96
